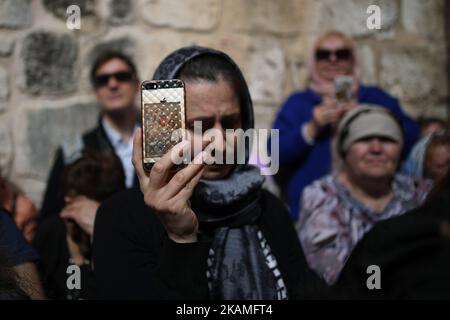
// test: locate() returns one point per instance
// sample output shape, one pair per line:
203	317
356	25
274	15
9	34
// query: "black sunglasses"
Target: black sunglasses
340	54
103	79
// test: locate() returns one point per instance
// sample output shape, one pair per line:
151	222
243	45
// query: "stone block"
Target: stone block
15	14
49	63
182	15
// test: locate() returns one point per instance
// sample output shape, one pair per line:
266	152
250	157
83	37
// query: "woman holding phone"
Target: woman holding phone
308	119
207	230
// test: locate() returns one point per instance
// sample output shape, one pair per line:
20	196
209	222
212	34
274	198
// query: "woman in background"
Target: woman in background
340	208
308	119
430	157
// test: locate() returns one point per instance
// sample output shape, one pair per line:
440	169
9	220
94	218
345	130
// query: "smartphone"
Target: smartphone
163	118
343	88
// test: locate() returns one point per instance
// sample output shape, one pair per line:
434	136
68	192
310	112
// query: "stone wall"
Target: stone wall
45	94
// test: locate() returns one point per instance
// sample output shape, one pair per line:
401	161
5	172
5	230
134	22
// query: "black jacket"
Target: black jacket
135	259
50	241
94	140
412	252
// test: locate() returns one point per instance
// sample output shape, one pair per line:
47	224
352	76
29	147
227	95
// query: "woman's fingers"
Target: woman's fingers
162	170
160	173
70	210
185	176
67	213
184	195
137	158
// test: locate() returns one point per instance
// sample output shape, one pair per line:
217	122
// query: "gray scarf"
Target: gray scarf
231	208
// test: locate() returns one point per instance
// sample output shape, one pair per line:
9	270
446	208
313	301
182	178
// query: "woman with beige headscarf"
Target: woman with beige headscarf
340	208
307	120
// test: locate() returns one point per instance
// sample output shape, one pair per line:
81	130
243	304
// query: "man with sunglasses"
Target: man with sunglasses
115	82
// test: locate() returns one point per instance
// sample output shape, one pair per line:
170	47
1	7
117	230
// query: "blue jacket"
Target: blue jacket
310	162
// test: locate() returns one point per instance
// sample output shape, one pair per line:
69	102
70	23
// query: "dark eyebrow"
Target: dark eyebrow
225	117
200	119
204	120
231	116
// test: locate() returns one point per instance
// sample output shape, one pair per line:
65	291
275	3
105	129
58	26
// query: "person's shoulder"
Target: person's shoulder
126	210
24	204
275	215
5	219
414	183
319	190
296	107
50	234
130	200
324	184
271	200
124	222
51	223
12	241
416	187
372	89
72	148
306	95
372	92
300	98
90	134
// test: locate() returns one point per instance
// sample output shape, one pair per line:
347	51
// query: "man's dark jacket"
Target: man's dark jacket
94	140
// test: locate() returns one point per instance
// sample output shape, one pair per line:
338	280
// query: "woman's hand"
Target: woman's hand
82	210
327	113
348	106
26	217
168	193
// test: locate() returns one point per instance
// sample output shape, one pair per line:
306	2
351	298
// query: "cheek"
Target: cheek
100	93
394	153
352	160
194	140
135	87
130	89
347	65
321	66
356	153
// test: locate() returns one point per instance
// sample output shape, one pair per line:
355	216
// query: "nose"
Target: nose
219	141
375	145
219	127
112	82
332	57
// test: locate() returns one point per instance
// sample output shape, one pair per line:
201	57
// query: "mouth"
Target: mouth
376	162
214	167
115	96
334	68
